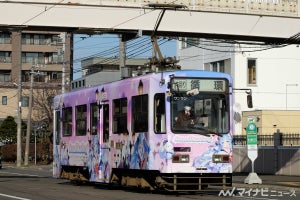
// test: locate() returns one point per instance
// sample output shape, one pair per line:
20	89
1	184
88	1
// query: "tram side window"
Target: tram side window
57	127
159	113
93	118
67	121
80	120
105	123
120	115
140	113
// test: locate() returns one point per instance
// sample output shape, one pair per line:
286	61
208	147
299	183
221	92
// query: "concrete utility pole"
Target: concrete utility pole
63	80
19	115
125	71
28	131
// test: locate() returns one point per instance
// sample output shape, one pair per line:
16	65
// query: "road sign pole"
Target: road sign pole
252	151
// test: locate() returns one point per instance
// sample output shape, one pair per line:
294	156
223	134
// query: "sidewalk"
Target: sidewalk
269	181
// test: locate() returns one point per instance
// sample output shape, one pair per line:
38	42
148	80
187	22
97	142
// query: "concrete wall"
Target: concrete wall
270	160
269	121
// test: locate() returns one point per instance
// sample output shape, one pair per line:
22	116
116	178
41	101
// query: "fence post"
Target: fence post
277	143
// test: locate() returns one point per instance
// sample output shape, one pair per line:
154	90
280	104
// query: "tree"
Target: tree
43	105
42	112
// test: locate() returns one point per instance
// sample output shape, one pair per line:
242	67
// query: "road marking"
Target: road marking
19	174
13	197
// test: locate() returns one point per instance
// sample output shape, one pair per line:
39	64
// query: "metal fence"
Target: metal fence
286	139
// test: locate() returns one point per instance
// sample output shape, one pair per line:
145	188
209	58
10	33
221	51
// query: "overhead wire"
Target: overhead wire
46	10
134	48
263	48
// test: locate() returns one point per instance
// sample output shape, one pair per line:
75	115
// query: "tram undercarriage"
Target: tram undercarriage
173	182
154	180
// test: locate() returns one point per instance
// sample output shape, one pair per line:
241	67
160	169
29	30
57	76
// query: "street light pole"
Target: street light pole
286	86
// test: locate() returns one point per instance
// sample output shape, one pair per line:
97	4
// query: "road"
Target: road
36	183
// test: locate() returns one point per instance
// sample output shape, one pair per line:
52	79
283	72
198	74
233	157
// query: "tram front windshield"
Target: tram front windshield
193	111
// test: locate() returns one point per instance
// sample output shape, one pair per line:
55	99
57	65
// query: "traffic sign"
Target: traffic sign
252	150
252	140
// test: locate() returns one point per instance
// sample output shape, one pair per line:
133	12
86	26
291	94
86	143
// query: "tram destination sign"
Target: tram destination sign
203	85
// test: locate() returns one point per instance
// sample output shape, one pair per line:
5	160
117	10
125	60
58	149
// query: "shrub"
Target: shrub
43	153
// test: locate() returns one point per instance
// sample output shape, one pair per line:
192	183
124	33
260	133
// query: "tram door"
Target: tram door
104	171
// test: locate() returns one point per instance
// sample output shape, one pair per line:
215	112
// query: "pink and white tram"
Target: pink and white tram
127	132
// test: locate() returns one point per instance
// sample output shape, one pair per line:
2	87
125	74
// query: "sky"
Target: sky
107	45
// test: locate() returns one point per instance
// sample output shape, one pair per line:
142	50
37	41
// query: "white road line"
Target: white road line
13	197
19	174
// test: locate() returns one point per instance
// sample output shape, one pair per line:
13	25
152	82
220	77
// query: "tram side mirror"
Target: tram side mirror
249	101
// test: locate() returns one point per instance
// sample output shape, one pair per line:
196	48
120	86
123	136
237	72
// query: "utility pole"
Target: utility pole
19	115
125	71
63	37
28	131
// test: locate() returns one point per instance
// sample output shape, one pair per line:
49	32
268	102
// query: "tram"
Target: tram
161	130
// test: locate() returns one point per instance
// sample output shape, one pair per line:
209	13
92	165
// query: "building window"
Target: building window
5	38
5	76
218	66
214	66
251	71
190	42
221	66
5	57
120	115
33	57
36	39
4	100
25	101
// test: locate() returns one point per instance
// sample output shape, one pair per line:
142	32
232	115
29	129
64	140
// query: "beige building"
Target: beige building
47	56
269	121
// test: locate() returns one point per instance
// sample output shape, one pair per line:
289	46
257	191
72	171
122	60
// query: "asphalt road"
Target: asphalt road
36	183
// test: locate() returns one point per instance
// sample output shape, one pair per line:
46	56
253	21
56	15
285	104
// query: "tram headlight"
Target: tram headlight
179	158
220	158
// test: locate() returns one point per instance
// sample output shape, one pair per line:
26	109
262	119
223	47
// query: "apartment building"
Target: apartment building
46	55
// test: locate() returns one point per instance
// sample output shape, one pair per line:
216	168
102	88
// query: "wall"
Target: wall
268	121
270	160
